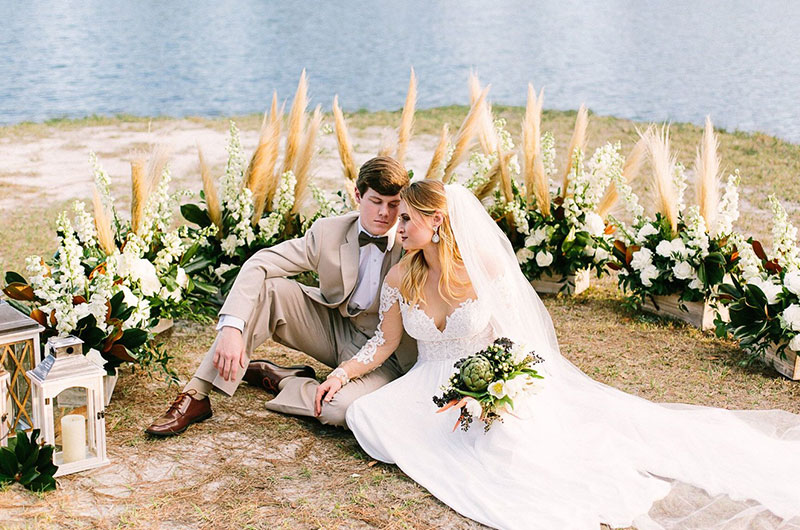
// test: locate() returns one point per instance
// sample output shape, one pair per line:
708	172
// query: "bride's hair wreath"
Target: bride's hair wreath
425	198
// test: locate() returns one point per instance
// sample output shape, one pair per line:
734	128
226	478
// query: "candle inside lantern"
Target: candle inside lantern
73	438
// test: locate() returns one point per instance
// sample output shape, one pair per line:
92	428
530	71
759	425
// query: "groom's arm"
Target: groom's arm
279	261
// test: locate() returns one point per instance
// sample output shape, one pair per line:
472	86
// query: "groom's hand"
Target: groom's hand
229	355
327	390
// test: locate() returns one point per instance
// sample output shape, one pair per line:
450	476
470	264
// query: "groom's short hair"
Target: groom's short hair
383	174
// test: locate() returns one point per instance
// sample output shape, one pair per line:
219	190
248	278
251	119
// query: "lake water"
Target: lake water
737	60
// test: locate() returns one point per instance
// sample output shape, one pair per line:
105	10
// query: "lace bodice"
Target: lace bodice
467	330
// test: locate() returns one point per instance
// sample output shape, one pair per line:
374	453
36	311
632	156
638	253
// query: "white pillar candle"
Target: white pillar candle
73	438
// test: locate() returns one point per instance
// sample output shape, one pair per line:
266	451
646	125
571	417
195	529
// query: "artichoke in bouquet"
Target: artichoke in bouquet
476	373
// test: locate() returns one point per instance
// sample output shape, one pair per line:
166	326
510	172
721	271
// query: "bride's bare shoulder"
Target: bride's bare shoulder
395	275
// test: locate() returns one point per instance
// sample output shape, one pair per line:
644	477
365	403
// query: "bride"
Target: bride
578	453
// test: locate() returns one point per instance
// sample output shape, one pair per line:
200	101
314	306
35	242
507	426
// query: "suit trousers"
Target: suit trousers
288	316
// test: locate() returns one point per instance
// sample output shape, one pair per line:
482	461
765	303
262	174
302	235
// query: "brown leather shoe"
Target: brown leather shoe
184	411
267	375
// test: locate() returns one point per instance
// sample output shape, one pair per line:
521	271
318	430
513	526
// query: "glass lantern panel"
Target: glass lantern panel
73	411
17	358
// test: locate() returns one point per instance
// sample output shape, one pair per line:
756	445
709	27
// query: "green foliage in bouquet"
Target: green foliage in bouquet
28	463
487	383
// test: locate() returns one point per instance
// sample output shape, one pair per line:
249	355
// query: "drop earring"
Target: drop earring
435	237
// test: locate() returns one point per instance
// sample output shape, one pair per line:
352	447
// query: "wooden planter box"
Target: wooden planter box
699	314
549	283
788	367
163	325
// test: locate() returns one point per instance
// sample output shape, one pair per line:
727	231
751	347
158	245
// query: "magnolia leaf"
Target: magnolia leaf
759	250
194	214
13	277
120	352
19	291
39	316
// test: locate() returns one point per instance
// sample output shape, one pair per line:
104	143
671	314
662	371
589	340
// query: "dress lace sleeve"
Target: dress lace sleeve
383	343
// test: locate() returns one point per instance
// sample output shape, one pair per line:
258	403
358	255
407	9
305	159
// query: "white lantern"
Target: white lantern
19	352
5	377
68	406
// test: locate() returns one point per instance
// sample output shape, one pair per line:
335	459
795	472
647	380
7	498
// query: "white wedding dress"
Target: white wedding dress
579	453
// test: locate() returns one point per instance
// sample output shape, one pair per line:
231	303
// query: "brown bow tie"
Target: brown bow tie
380	242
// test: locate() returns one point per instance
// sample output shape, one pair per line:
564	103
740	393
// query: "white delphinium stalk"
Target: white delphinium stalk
69	256
749	264
576	188
784	236
173	248
324	205
679	180
103	184
549	159
157	215
284	197
604	166
84	224
696	230
728	211
480	164
506	142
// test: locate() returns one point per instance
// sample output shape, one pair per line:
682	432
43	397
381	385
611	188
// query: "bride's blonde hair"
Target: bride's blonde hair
426	197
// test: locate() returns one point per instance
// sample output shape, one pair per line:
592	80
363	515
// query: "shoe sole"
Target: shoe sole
166	434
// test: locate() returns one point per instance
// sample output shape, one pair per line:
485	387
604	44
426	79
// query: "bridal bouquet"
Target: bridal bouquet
764	298
684	251
487	384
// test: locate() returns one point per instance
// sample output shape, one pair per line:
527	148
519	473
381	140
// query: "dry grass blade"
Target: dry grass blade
487	136
505	176
630	170
439	154
265	159
297	116
302	169
407	119
273	108
156	166
663	168
210	192
707	171
345	151
388	143
139	192
102	222
465	134
578	141
493	178
536	184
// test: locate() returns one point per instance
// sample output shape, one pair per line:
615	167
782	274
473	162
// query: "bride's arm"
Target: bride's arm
377	349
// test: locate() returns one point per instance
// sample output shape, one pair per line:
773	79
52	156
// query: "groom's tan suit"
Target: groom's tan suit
320	321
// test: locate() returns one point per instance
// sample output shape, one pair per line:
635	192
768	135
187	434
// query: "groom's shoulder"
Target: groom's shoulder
335	224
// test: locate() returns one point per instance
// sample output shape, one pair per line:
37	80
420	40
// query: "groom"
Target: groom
351	255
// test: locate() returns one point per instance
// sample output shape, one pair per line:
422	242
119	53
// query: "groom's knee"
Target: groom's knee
333	413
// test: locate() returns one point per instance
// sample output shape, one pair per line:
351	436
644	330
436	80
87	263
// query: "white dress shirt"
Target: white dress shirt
370	263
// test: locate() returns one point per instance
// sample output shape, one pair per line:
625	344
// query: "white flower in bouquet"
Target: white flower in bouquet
771	290
646	231
538	236
588	250
749	264
679	247
128	298
473	407
270	225
683	270
792	281
696	284
728	210
791	316
594	224
84	224
544	258
519	352
784	236
648	274
679	179
794	344
664	248
229	244
549	157
166	294
641	258
696	230
524	255
144	272
284	197
497	389
182	278
94	356
601	254
222	269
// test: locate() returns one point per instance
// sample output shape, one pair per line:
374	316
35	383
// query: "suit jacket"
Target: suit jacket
329	248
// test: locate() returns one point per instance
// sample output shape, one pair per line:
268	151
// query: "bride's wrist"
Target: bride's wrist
340	374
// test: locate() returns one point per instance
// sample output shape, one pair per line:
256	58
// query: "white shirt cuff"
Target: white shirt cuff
230	321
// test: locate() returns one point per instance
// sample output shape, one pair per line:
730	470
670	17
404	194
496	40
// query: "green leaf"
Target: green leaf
28	476
189	254
115	302
194	214
13	277
8	462
133	338
43	483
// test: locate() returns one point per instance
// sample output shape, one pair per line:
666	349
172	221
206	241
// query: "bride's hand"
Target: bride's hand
327	389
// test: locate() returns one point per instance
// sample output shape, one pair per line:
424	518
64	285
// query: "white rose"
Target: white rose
646	230
794	344
594	224
648	274
182	279
473	407
696	284
145	272
683	270
679	247
95	357
641	259
769	289
792	317
792	281
601	254
588	250
664	248
544	258
497	389
518	353
524	255
129	299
